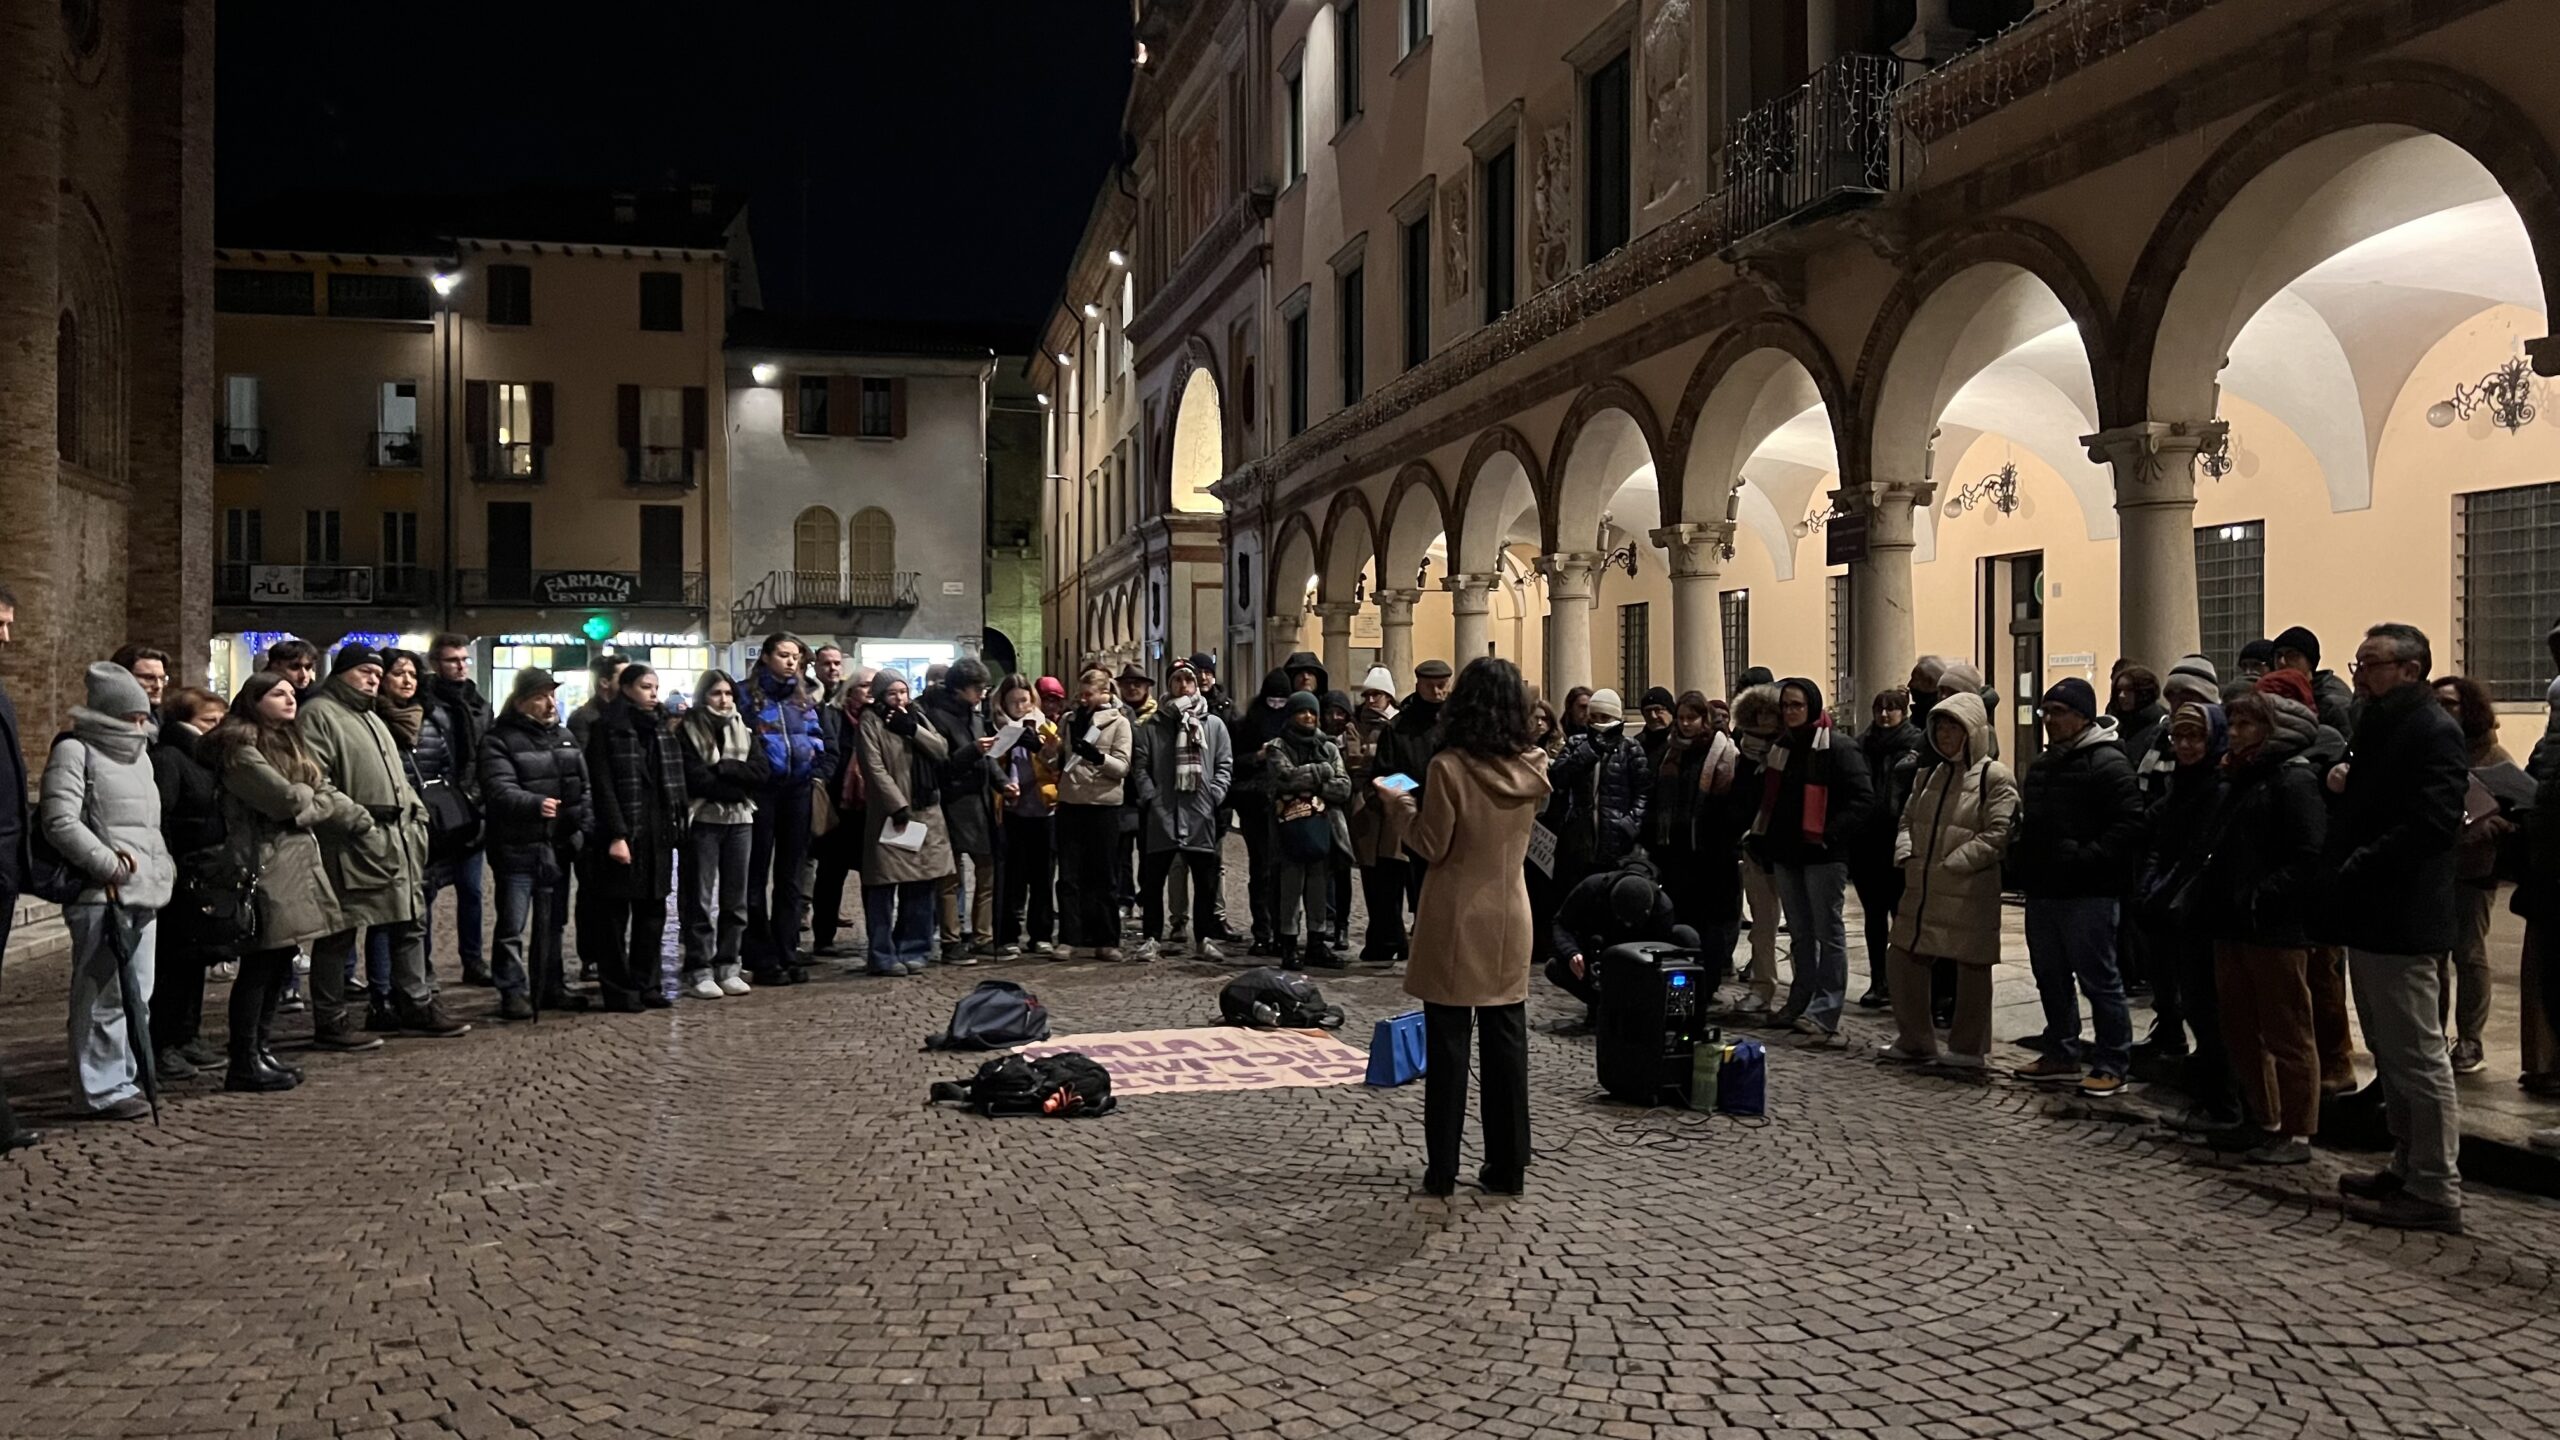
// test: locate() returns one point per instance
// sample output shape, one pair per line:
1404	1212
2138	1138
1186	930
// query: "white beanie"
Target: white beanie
1380	680
1605	705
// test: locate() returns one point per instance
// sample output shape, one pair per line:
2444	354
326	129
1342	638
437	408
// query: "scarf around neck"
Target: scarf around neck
1815	817
404	721
1191	743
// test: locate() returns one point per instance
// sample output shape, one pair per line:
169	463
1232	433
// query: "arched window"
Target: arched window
815	541
875	543
66	387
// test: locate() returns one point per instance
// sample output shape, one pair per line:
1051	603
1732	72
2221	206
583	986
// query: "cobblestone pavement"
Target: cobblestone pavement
737	1218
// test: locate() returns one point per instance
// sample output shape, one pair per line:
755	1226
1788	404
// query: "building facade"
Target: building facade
515	433
1017	486
858	513
106	340
1644	341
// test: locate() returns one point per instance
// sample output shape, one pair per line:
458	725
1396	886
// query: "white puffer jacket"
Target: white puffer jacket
99	798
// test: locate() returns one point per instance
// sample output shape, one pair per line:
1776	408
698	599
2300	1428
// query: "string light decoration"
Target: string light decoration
2035	54
1999	490
2507	393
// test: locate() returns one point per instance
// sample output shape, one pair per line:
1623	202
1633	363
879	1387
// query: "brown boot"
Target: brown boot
430	1020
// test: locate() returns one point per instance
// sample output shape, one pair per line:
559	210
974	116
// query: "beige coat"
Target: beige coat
1084	783
1954	830
1472	937
888	762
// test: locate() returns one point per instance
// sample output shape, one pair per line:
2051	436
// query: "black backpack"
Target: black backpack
1067	1086
1270	999
998	1015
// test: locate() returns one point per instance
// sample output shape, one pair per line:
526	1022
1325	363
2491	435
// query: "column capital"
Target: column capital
1281	631
1337	612
1470	594
2158	455
1698	552
1386	598
1570	575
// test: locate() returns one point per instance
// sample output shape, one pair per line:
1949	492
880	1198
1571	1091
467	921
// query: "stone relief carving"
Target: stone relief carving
1551	209
1455	247
1668	102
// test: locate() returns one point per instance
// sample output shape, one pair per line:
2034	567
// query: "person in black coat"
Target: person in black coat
1815	799
191	825
13	848
2079	838
1257	725
1892	749
2256	887
2180	830
956	709
638	765
2390	864
1702	803
533	785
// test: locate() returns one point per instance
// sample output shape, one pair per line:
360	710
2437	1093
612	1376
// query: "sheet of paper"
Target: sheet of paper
1006	737
1399	784
910	838
1542	849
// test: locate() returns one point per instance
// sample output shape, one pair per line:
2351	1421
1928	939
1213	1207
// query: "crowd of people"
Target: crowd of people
2249	852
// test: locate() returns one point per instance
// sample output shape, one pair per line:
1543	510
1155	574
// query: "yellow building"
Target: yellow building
513	433
1641	342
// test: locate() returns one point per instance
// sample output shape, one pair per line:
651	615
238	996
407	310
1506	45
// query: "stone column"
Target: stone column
1395	633
2155	475
1471	604
32	562
1279	639
1697	627
1337	641
1880	587
1934	36
1570	586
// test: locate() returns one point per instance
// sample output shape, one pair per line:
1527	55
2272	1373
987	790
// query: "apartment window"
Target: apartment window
2231	589
1635	649
510	573
1297	379
395	426
262	292
399	554
1734	607
510	294
662	554
1415	238
661	300
243	437
511	415
816	543
878	420
1417	24
355	296
874	543
1844	705
1294	138
1346	59
811	415
1353	290
2506	586
244	537
1608	163
1501	229
320	537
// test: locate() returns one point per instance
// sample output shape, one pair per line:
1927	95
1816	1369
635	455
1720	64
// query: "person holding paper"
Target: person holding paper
1189	764
905	852
1091	789
1027	751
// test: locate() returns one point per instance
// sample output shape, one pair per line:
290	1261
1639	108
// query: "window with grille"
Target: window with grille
2231	590
1845	705
1735	606
1635	650
2506	586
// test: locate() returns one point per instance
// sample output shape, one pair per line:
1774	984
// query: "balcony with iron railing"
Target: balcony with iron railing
1825	147
242	583
585	589
830	591
671	467
395	450
508	462
239	445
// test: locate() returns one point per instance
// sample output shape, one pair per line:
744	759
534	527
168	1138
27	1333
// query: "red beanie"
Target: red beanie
2293	685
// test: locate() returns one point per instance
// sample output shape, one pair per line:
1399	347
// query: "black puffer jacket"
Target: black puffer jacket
1258	725
1892	756
465	714
2389	859
968	817
1601	789
190	795
2263	863
2080	820
524	762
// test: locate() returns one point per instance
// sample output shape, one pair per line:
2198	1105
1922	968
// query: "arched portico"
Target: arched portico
1415	523
1604	492
1496	506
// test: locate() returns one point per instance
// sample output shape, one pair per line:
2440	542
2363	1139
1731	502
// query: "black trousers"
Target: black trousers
8	915
1584	987
1503	1052
1337	913
1027	880
2211	1086
839	853
1202	866
1262	859
627	962
1088	842
177	996
1879	894
1383	886
2164	967
255	993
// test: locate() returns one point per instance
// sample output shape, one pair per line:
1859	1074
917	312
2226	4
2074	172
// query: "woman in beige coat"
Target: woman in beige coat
1954	830
1472	934
901	760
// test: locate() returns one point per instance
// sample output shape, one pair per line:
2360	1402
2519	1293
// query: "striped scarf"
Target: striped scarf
1190	743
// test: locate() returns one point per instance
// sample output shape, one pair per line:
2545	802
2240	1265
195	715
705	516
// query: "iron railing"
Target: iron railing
585	589
239	445
1827	146
239	583
508	460
827	590
396	450
670	465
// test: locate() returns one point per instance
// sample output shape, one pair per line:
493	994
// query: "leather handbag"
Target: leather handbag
1397	1054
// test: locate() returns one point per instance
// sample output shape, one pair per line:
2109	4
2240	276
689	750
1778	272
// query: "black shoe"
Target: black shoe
586	972
169	1064
795	974
2040	1043
381	1019
476	974
1320	958
2161	1044
512	1005
2370	1184
1286	950
201	1053
259	1079
2401	1210
18	1139
1440	1185
571	1001
656	1000
1511	1184
267	1057
1876	998
622	1005
1264	946
345	1042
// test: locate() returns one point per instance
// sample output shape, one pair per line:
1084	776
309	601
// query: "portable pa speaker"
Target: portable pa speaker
1653	1007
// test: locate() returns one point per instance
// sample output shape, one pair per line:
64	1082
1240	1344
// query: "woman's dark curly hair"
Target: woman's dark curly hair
2473	709
1488	711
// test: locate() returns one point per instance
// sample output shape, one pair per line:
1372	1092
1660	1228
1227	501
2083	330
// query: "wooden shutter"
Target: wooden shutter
898	409
541	412
626	416
844	405
790	404
697	418
475	411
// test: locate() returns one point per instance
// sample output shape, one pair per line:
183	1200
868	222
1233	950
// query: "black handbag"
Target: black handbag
453	822
217	905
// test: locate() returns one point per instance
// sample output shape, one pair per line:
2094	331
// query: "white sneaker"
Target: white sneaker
706	988
735	985
1206	951
1008	952
1144	950
1064	952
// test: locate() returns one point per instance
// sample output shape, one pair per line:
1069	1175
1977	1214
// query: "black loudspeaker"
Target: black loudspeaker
1653	1007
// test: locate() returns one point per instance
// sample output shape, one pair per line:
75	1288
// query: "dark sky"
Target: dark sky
930	160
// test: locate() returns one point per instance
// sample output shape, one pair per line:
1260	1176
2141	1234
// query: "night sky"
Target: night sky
928	160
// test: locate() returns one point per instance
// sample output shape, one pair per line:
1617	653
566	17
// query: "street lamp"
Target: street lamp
444	282
766	372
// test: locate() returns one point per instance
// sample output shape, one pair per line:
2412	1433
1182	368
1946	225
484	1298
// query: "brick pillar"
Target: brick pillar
31	564
168	275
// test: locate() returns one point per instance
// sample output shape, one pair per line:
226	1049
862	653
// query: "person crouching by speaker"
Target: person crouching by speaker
1473	938
1625	906
1953	831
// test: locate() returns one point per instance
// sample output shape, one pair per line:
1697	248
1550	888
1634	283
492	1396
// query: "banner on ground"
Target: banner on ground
1153	1062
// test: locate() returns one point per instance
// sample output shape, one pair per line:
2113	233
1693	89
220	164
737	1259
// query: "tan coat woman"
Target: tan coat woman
1955	828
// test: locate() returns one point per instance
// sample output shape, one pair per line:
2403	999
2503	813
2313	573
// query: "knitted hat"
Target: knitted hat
2296	637
1433	670
353	654
2074	694
114	691
1657	698
1051	687
2292	685
1379	680
1204	663
2195	675
2261	650
1304	702
1605	705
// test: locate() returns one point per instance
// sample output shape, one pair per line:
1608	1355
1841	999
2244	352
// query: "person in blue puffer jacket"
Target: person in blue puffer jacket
782	707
